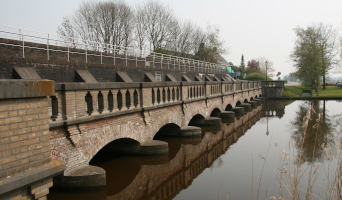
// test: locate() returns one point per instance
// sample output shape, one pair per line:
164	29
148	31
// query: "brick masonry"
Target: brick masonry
26	167
24	134
38	190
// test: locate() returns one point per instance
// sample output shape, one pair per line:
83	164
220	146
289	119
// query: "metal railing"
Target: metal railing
69	45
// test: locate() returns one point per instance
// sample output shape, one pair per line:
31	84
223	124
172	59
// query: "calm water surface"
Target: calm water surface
236	161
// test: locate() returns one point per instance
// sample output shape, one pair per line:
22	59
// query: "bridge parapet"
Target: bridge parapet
272	89
74	101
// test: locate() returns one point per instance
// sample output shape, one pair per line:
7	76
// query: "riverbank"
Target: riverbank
295	92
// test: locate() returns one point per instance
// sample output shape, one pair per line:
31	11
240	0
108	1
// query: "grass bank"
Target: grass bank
296	91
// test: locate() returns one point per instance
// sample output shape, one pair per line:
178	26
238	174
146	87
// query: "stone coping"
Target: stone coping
16	88
121	85
95	86
29	177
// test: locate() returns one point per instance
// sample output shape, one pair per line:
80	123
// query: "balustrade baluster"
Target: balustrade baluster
105	101
94	94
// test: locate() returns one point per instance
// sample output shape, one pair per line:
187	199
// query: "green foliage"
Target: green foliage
313	53
328	92
256	77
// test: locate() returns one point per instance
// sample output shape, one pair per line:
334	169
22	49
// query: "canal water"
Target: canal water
260	156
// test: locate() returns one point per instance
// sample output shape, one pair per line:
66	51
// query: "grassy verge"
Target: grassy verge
329	92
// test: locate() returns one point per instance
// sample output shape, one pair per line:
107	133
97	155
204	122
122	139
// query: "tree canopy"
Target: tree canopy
314	53
150	26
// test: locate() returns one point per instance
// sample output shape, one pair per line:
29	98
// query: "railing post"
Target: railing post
86	51
101	57
168	62
153	58
161	62
126	55
114	50
23	44
68	52
184	65
47	47
178	63
136	58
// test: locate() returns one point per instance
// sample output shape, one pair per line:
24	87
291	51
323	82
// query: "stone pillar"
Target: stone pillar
115	100
94	95
131	93
26	167
80	103
105	101
70	104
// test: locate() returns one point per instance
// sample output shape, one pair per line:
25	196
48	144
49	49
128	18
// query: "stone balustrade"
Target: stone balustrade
74	101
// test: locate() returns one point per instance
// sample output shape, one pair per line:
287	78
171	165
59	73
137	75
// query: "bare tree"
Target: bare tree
185	37
155	20
109	22
151	26
213	39
262	65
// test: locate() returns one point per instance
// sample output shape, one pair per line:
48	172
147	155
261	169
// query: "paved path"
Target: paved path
292	83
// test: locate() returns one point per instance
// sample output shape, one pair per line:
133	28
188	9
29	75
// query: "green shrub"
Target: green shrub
256	77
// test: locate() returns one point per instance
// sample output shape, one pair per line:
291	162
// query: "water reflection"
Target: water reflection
318	131
221	159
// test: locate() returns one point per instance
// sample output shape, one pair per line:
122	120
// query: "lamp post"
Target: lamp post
266	63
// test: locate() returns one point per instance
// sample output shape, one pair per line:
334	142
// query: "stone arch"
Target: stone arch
245	101
196	118
215	113
229	107
95	140
120	145
161	120
121	166
251	99
238	103
170	129
214	103
193	109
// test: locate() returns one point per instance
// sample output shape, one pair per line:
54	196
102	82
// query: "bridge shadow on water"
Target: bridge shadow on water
164	176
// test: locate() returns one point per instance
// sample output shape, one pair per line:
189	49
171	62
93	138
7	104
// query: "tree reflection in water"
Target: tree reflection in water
317	136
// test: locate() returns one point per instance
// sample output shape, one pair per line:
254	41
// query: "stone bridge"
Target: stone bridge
87	117
64	125
57	126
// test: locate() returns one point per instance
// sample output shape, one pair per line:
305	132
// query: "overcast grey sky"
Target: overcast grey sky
254	28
